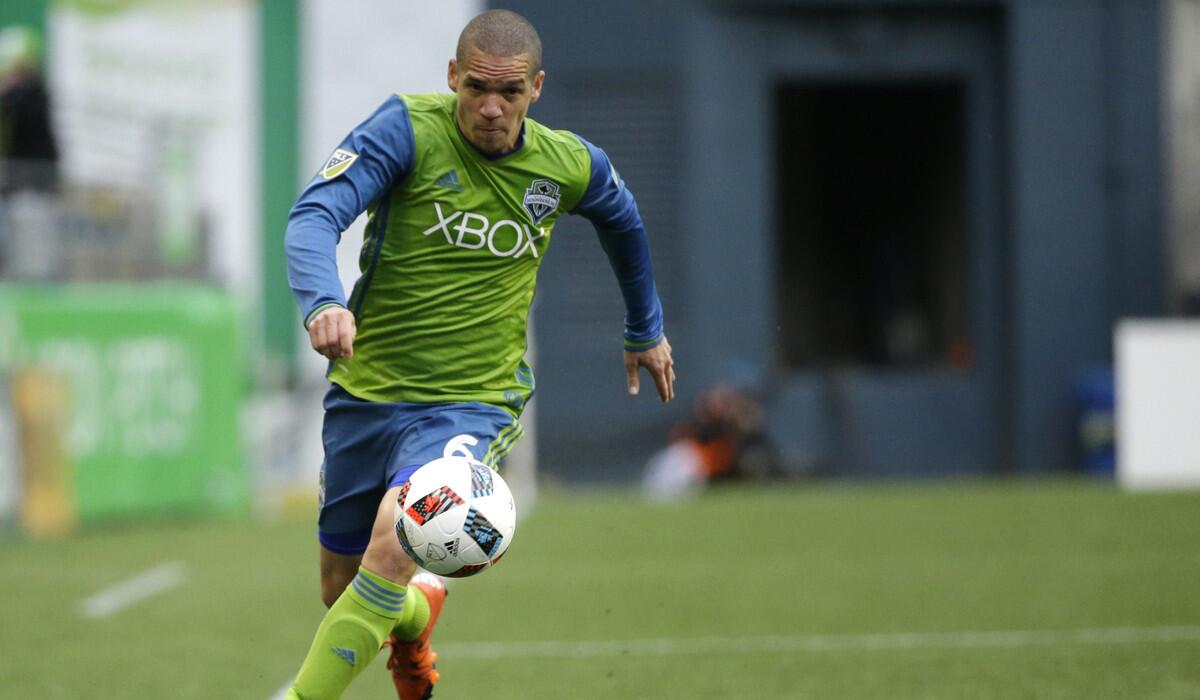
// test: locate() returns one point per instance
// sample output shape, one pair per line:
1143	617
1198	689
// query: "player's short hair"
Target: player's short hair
501	33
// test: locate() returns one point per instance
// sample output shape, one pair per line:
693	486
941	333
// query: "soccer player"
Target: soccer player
427	355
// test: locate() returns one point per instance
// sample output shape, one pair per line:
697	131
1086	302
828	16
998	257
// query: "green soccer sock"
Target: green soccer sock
415	615
350	636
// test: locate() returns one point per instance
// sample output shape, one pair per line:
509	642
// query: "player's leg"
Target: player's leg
337	571
364	615
476	430
359	438
410	657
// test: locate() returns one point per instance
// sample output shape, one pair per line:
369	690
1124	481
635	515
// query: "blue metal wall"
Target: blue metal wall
1087	232
1064	210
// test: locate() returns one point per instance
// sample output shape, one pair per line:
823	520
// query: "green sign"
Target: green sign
155	376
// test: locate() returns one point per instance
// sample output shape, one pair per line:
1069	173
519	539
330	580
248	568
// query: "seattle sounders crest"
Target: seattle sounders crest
541	199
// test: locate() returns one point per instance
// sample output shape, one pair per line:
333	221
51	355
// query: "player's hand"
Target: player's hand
657	361
332	333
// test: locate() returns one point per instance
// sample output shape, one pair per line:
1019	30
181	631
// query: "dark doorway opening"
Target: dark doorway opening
871	224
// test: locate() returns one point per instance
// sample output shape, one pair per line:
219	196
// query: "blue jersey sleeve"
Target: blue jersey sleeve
610	207
376	154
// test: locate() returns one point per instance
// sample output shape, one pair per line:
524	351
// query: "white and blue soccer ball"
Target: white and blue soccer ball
455	516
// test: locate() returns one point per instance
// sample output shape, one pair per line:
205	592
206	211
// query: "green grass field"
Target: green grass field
818	592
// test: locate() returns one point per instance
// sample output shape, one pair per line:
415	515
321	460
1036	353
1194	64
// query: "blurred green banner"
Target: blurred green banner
155	383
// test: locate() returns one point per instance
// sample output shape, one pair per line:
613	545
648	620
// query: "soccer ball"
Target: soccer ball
455	517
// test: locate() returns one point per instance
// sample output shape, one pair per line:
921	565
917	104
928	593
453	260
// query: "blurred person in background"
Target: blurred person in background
724	439
427	355
28	158
27	144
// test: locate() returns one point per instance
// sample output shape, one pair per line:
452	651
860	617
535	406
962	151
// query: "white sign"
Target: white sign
138	395
163	98
1158	404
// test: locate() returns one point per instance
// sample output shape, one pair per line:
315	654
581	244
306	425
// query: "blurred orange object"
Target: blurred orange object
41	405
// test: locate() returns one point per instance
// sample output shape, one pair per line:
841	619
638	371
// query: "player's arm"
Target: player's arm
375	155
610	207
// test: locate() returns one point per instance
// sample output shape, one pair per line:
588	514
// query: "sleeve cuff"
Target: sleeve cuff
313	314
641	345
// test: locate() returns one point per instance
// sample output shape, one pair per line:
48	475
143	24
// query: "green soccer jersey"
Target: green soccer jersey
452	247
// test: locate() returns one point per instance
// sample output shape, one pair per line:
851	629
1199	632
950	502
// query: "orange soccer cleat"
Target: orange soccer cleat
412	661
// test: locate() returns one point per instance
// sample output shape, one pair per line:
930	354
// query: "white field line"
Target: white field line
816	643
807	643
131	591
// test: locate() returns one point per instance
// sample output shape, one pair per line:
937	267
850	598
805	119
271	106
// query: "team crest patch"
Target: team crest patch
541	199
338	163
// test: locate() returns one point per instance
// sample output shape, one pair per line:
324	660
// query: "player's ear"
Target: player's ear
536	90
452	75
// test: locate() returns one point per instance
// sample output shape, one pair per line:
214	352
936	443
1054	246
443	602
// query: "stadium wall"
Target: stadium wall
1063	189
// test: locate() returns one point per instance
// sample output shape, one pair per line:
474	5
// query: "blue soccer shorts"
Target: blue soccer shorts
372	446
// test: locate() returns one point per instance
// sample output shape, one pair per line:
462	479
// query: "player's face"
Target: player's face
494	93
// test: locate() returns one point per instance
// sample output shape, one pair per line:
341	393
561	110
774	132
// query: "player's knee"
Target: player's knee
387	558
384	555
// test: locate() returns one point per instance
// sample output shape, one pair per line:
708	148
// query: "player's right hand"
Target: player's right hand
657	361
332	333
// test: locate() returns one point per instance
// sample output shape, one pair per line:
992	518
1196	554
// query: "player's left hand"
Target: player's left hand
657	361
